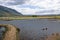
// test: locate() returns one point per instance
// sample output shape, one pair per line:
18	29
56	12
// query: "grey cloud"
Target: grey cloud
16	2
1	2
13	2
48	11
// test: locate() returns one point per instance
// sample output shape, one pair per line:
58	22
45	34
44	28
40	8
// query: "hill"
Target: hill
4	11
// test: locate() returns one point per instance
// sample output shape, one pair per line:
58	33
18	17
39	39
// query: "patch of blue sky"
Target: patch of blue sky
30	6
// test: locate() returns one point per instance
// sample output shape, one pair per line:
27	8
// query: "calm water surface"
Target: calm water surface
33	28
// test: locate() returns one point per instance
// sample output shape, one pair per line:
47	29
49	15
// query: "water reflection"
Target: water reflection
2	31
31	29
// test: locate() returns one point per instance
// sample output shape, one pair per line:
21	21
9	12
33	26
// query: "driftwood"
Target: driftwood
11	33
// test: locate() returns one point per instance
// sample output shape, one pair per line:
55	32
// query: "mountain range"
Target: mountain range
5	11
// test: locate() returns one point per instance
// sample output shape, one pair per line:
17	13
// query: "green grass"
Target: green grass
29	17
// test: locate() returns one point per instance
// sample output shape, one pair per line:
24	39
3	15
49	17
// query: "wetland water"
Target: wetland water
31	29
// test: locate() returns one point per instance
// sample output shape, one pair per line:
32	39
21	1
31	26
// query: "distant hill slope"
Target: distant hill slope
4	11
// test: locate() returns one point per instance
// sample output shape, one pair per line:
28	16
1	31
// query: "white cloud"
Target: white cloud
25	11
44	3
34	6
48	5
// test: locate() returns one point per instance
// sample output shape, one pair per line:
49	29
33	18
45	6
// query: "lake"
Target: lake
32	29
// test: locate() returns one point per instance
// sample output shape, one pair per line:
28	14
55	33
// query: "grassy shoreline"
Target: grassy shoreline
29	17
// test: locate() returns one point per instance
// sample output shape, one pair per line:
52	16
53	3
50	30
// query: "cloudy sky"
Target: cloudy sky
33	7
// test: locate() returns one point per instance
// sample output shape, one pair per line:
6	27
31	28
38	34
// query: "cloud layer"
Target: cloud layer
33	7
12	2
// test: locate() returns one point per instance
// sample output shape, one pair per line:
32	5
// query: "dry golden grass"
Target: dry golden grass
54	37
11	32
29	17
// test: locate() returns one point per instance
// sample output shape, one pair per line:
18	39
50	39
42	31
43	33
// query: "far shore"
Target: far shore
29	17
